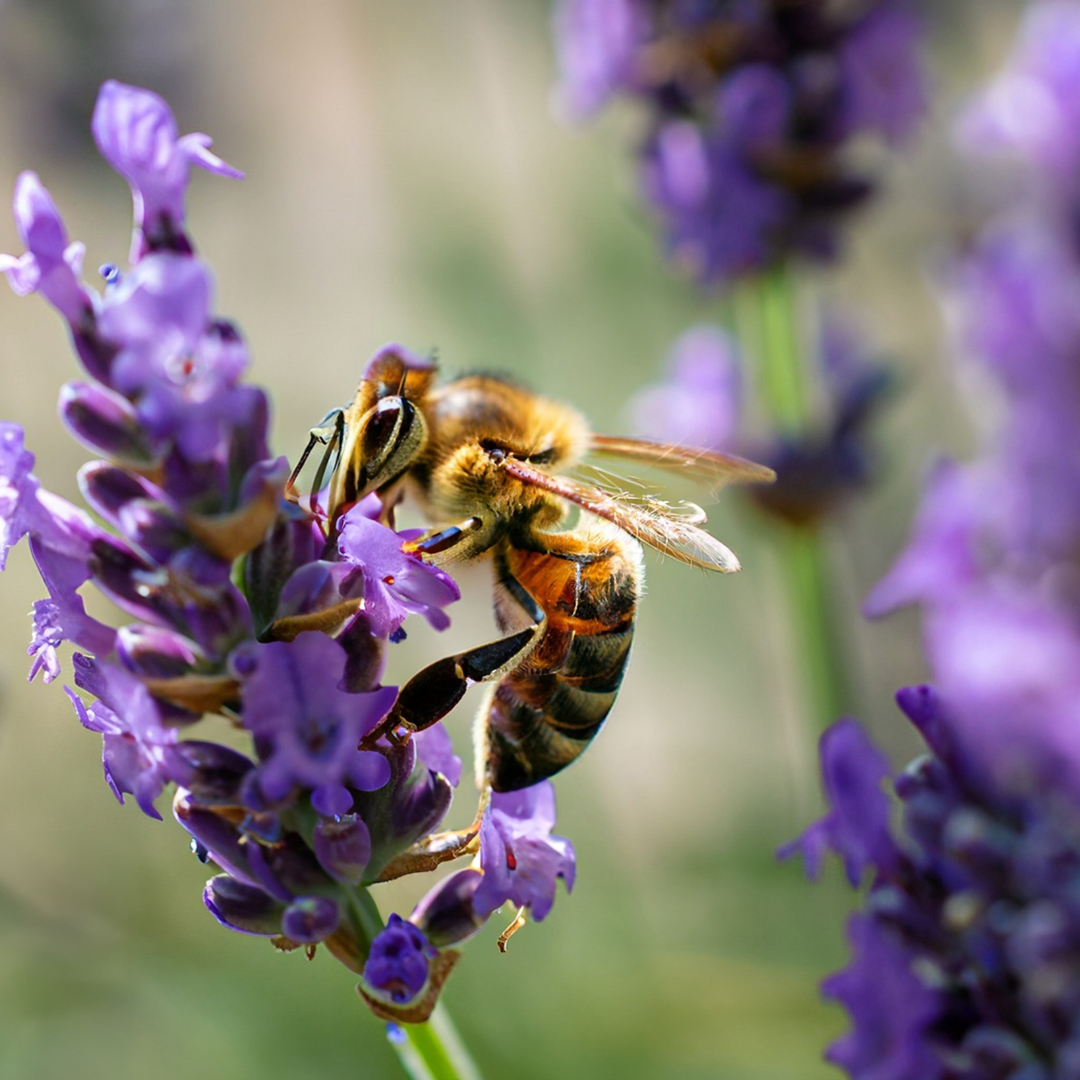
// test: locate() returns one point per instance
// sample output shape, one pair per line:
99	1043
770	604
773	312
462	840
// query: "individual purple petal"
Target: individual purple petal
307	727
396	583
51	266
137	134
520	858
137	745
310	919
135	754
343	847
891	1009
398	963
63	616
435	750
47	636
18	488
857	825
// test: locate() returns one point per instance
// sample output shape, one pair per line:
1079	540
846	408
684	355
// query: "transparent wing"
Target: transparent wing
706	466
671	530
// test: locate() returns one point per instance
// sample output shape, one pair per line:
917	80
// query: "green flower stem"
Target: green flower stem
429	1051
434	1051
766	316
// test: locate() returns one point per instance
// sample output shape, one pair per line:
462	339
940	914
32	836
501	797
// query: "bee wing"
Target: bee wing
712	468
650	521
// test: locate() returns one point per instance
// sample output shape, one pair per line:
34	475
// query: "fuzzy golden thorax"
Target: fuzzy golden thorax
475	423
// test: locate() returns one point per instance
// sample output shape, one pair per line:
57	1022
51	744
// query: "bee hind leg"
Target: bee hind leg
430	694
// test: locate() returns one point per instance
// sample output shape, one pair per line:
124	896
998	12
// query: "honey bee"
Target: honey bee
487	461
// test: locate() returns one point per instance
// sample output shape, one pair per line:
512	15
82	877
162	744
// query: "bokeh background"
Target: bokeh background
409	179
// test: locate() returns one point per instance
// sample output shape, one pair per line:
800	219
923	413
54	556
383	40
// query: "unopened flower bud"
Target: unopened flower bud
105	422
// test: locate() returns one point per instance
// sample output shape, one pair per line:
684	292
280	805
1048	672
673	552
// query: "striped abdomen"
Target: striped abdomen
545	712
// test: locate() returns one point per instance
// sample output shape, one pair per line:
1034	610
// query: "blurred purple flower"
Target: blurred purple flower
857	825
137	134
51	266
698	403
880	72
520	858
749	109
1032	109
597	42
891	1009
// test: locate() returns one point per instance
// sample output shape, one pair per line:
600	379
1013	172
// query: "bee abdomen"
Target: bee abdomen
540	722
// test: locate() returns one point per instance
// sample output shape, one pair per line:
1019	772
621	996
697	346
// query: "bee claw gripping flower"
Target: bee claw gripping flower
241	604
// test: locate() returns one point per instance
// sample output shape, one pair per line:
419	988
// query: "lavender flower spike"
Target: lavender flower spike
51	265
136	133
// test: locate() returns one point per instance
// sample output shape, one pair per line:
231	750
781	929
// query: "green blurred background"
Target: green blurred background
408	179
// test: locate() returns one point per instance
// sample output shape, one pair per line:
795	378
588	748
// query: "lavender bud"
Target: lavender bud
310	919
446	915
343	847
242	907
105	423
399	961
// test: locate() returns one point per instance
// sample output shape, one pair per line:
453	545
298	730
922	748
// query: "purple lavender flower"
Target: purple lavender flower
968	946
698	404
136	742
310	728
51	265
857	826
396	583
137	134
749	111
290	645
520	858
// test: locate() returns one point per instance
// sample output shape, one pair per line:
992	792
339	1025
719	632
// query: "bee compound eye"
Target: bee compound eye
382	429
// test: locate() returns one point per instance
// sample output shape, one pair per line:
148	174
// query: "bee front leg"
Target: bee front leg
329	434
